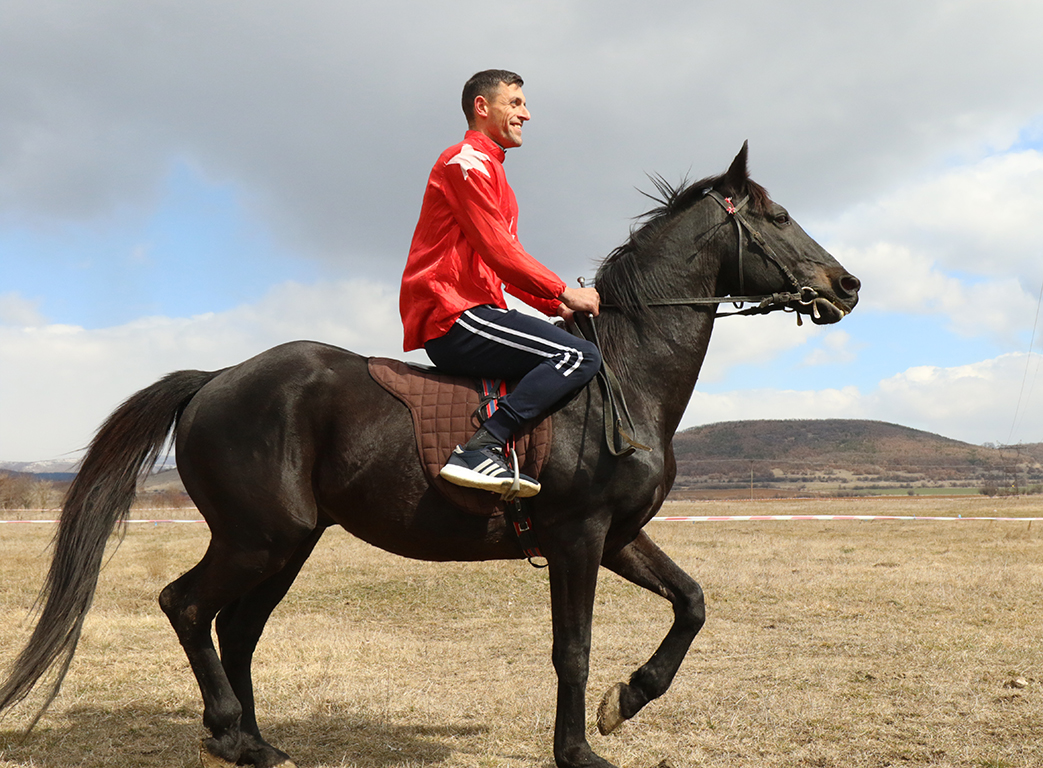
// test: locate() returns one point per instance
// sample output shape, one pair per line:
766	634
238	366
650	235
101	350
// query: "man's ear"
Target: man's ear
481	106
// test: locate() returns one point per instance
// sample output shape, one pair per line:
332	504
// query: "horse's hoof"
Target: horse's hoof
208	760
609	716
212	761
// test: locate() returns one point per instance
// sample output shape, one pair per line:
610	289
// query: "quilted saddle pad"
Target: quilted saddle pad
444	416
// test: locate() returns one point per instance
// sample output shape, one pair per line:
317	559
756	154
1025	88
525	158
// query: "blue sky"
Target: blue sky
183	185
192	249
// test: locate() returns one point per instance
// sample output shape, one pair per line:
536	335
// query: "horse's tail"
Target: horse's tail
125	448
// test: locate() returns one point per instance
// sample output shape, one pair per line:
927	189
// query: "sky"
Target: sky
186	184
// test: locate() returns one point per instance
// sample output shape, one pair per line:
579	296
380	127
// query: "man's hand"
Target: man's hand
579	300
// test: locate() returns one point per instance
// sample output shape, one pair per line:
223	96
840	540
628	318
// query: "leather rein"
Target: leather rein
803	295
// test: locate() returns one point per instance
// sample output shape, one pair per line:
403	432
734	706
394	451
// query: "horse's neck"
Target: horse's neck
662	367
659	357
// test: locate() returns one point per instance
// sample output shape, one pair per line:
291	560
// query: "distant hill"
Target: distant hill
67	466
831	453
20	489
163	480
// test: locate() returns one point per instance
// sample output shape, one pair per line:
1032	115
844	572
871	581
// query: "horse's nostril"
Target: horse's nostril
850	285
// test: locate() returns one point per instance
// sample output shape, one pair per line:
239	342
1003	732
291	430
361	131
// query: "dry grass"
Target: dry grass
828	644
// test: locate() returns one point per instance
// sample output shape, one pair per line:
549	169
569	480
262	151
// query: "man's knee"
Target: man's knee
590	359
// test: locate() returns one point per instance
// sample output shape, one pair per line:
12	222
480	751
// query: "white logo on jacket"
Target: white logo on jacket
470	159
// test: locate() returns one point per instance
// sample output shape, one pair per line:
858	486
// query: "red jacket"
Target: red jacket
465	247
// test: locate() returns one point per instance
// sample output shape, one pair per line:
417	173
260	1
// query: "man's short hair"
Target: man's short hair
485	84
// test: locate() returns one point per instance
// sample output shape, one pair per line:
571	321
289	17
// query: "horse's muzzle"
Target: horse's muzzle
833	306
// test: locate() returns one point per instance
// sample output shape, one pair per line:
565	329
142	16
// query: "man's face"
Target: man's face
501	116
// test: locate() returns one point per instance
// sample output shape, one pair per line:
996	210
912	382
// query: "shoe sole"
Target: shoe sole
468	478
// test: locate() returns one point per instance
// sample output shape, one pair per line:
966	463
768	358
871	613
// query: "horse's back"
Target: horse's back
275	389
263	427
302	434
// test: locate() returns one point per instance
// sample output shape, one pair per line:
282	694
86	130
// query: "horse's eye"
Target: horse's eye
782	219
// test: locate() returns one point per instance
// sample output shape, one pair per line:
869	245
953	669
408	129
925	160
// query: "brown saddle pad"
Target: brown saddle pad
443	409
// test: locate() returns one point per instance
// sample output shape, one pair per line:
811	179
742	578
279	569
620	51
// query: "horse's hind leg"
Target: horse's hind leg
239	627
644	564
228	572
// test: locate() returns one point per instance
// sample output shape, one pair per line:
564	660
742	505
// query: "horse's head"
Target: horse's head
720	239
776	256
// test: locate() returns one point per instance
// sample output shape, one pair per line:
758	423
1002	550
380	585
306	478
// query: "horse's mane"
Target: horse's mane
622	279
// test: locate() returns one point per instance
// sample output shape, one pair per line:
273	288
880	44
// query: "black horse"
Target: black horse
275	450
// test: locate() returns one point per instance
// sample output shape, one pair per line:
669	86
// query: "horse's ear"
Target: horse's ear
734	180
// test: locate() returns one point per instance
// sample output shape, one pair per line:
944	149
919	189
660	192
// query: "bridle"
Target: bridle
802	295
619	425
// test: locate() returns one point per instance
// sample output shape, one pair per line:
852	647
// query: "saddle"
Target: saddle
445	414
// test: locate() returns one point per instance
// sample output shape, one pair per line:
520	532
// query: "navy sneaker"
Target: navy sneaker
487	469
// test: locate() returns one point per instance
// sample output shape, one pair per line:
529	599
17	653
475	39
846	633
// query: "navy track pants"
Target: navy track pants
548	362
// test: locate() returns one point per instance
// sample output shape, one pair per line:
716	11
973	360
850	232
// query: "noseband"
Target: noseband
765	303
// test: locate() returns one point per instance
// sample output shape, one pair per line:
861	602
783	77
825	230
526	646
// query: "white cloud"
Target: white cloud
738	405
976	403
289	105
754	341
16	310
760	340
60	382
291	102
983	218
978	399
964	244
898	279
988	212
836	349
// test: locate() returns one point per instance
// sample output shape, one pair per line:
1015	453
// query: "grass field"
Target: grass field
840	644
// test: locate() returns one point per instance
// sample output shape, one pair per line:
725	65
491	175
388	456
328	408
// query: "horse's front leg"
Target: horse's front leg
646	565
573	555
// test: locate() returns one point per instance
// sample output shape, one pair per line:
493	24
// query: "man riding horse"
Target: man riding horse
464	251
279	448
